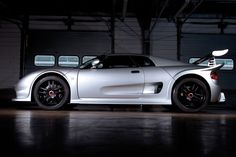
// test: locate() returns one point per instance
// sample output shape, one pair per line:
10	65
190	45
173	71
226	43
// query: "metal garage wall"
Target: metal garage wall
164	40
59	43
9	54
198	40
128	36
50	35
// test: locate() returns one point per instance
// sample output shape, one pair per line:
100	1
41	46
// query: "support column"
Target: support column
145	22
144	15
24	41
146	41
179	25
112	29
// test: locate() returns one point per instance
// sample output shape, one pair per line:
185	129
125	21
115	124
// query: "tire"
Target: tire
51	93
190	95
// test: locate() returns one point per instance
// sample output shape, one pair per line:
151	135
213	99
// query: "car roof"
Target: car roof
125	54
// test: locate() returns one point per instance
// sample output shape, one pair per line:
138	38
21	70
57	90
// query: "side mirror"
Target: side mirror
219	52
95	63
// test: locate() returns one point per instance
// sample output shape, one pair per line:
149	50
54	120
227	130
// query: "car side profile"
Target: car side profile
124	79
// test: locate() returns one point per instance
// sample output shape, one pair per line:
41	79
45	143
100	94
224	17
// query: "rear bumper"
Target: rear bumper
215	93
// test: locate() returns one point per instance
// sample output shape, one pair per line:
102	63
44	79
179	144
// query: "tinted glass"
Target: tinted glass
88	64
87	58
143	61
118	62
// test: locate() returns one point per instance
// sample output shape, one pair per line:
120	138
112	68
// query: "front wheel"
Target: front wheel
51	93
190	95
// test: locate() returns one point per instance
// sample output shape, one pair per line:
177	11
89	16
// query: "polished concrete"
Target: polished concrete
29	131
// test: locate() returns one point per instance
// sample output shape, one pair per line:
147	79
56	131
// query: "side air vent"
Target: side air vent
153	88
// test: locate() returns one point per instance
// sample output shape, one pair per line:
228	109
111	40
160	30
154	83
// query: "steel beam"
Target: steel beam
24	40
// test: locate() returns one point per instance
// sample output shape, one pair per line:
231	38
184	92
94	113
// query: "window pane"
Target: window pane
118	62
44	60
68	61
228	63
87	58
143	61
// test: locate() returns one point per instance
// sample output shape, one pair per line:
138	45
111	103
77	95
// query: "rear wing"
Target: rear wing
211	57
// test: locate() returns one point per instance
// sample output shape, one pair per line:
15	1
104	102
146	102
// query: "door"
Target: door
115	77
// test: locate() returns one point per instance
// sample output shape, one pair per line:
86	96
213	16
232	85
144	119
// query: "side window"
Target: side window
44	60
143	61
118	62
68	61
87	58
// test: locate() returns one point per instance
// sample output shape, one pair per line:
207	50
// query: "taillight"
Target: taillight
214	75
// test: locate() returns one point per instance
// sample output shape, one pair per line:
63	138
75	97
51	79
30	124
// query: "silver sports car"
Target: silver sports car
125	79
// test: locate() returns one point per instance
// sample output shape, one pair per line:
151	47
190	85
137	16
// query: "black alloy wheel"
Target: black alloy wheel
51	93
190	95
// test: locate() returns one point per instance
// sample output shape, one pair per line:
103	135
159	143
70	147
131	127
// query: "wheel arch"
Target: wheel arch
191	76
49	74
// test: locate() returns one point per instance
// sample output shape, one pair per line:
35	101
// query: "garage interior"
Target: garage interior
175	29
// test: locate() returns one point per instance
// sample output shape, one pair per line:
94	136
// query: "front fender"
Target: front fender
25	86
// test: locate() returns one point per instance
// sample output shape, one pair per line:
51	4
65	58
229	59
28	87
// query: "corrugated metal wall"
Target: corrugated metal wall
128	36
84	38
164	40
9	54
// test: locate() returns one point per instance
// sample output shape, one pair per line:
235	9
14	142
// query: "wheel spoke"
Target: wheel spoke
184	90
44	89
197	98
49	84
187	88
196	88
42	92
57	88
193	86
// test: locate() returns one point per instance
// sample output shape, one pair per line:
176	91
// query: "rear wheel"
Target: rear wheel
190	95
51	93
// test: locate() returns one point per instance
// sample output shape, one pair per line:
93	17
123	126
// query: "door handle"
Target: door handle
135	71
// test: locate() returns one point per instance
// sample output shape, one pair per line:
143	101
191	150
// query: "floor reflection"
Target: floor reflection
76	133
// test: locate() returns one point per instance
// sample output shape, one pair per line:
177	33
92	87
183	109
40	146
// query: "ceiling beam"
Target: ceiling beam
186	3
192	11
159	16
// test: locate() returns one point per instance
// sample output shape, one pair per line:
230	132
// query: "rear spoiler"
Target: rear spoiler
214	67
211	57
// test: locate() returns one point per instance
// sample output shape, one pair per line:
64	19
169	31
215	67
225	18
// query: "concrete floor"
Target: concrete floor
33	132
